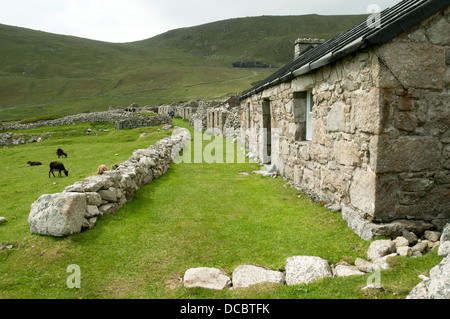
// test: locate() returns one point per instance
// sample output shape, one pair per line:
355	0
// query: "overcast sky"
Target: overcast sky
132	20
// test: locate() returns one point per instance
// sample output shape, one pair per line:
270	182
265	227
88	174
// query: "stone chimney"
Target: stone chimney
302	44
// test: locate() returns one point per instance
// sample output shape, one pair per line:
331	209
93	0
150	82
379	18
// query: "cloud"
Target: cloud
108	20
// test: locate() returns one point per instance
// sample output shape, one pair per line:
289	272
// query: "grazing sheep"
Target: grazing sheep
101	169
34	163
57	166
60	153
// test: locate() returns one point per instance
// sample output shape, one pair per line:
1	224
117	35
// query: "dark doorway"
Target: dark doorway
267	132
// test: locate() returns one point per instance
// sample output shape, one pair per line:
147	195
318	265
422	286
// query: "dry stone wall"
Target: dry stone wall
80	205
134	122
106	116
122	119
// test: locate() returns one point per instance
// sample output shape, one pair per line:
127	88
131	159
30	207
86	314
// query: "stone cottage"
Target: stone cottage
361	121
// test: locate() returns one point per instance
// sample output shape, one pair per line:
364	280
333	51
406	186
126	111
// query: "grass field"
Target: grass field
195	215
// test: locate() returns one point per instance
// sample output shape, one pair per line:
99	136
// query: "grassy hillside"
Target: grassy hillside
43	73
268	38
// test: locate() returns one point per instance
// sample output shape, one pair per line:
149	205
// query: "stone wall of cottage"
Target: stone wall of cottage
380	136
413	147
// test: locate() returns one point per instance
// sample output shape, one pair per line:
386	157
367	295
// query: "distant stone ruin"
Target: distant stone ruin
216	117
123	119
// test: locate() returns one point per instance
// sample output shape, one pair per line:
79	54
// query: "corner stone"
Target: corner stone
58	214
306	269
247	275
203	277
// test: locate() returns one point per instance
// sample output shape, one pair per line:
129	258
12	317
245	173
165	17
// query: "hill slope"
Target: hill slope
268	38
43	73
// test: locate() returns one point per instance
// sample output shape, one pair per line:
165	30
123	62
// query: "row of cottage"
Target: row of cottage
360	121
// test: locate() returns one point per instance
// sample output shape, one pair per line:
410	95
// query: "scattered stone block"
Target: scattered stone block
444	247
420	247
432	235
383	262
410	236
247	275
401	242
380	248
437	286
306	269
364	265
204	277
404	251
344	271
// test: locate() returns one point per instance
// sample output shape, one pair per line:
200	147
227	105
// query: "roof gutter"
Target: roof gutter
393	27
350	48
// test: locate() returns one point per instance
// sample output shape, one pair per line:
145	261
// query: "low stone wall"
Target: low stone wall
122	119
12	139
79	206
134	122
107	116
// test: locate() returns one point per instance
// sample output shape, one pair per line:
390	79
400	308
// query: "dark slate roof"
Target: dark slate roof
392	22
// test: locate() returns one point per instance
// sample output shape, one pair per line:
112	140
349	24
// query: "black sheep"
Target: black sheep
57	166
60	153
34	163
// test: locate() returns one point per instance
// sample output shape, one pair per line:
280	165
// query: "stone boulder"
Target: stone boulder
306	269
346	270
365	266
432	235
59	214
204	277
405	251
380	248
437	286
401	242
383	262
444	248
410	236
247	275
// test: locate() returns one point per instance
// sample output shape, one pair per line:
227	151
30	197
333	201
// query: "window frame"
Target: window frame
309	114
